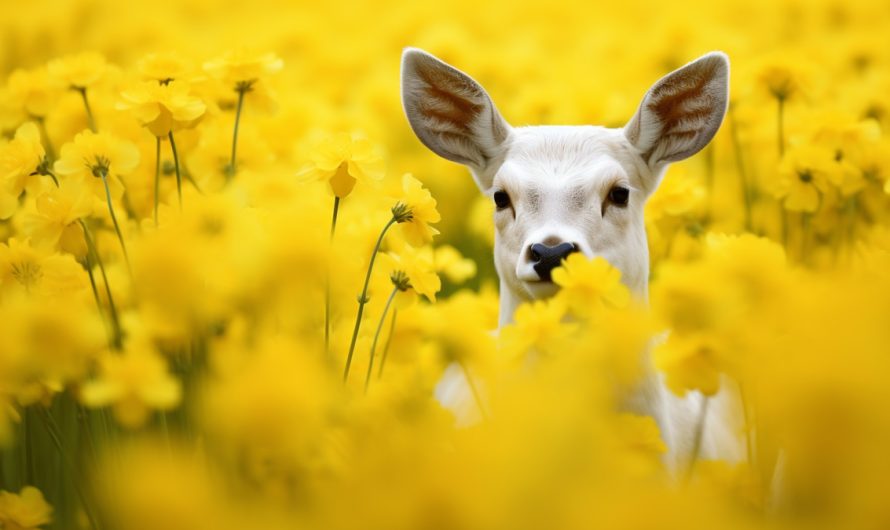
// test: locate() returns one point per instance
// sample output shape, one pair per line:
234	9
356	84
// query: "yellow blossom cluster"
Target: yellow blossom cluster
236	291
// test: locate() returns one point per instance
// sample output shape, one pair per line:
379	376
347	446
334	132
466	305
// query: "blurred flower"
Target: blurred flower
177	488
538	327
163	67
29	270
51	219
79	71
33	91
253	403
27	510
239	67
803	178
783	75
587	285
342	161
133	382
163	107
19	160
455	267
690	362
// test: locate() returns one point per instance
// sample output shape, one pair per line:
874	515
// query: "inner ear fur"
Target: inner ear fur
682	112
450	112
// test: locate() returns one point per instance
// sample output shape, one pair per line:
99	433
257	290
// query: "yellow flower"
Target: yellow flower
27	510
19	159
208	160
803	178
587	285
79	71
538	327
678	194
342	160
175	489
133	382
422	208
163	107
639	441
90	155
237	67
690	362
162	67
783	75
852	142
418	265
54	342
25	269
33	91
455	267
252	400
51	219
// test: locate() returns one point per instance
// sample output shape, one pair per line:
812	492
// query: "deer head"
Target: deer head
564	189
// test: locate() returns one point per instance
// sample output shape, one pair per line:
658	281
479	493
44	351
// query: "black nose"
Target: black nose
548	258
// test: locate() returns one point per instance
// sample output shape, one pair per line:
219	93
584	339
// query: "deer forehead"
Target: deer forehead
565	164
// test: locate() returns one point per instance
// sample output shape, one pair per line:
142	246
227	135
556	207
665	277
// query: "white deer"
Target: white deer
564	189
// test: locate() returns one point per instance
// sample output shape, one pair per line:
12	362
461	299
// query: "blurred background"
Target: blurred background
217	403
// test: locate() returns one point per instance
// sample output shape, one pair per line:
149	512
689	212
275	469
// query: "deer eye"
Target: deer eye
501	199
619	196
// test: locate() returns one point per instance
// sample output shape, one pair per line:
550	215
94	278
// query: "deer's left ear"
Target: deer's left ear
682	111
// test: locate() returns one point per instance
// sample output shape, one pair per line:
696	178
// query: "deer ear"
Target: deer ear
450	112
682	111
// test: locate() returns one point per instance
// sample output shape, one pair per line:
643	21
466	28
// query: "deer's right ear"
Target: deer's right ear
451	113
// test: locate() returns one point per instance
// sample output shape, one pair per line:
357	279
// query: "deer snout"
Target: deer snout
546	258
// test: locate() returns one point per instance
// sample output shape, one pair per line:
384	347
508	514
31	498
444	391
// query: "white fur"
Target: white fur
558	179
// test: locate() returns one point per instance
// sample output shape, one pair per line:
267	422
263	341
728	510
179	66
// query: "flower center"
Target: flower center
805	176
243	87
99	167
26	273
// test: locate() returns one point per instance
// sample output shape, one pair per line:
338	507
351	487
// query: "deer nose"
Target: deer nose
547	258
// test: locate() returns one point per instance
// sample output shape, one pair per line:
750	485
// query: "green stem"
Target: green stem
176	165
28	445
334	216
112	309
327	294
91	121
805	231
83	421
363	298
165	429
47	143
781	125
740	167
389	300
117	228
157	177
53	429
392	328
852	212
89	267
231	169
113	331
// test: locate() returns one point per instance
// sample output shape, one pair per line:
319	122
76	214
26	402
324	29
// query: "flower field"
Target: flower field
234	285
